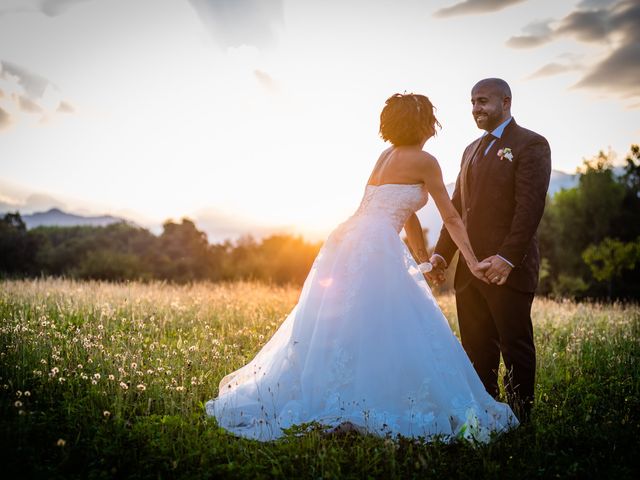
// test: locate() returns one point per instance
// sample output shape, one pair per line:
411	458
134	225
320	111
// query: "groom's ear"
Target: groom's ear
506	103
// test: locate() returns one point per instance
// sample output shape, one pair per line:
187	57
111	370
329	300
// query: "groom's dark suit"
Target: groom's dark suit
501	202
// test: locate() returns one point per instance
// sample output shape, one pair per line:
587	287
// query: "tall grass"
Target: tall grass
101	380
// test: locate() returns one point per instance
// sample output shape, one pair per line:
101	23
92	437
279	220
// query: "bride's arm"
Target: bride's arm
415	238
433	180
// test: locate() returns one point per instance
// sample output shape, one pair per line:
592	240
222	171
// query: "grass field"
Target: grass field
109	381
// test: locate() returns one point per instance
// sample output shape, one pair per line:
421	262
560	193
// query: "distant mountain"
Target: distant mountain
56	217
561	180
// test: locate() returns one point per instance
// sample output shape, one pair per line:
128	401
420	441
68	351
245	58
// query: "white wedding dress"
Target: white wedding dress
366	343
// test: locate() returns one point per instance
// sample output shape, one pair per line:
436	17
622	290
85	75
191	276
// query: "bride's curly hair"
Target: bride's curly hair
407	119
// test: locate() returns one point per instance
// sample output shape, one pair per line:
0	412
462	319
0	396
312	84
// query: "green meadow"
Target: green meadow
103	380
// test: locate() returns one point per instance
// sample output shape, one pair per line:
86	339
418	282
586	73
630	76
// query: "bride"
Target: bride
367	345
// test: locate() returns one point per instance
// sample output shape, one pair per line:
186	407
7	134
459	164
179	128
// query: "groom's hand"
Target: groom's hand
437	275
498	271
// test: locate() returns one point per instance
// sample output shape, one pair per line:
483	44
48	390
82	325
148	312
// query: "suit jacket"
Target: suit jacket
503	209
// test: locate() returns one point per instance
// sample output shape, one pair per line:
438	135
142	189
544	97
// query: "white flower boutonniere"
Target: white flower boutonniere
505	153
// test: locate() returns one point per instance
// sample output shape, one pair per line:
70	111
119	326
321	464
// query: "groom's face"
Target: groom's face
490	106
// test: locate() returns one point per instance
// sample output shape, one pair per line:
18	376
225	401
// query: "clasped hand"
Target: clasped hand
491	270
498	270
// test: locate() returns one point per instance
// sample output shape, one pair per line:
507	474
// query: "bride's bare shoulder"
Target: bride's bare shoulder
424	159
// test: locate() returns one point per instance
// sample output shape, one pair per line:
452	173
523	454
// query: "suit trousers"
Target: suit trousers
497	319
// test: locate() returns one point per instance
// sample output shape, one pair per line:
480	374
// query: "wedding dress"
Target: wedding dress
366	344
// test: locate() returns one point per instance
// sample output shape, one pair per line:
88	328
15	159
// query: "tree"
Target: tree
608	260
605	206
17	249
627	225
184	253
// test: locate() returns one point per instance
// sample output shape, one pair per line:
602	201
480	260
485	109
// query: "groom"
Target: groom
500	194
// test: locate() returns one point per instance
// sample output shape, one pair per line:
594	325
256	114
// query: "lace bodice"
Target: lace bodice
395	201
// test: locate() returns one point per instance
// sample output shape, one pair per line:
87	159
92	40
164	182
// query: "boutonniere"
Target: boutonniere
505	153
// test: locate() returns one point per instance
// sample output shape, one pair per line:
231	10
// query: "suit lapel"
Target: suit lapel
489	162
464	177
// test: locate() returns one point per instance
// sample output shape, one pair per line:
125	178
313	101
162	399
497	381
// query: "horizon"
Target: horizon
428	215
241	116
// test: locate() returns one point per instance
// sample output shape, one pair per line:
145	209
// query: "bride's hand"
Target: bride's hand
478	269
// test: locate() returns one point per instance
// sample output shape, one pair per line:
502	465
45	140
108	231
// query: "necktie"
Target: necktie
477	158
484	142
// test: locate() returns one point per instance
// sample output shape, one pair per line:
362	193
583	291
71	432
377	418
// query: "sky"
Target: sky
255	116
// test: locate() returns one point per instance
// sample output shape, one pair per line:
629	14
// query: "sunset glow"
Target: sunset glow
161	109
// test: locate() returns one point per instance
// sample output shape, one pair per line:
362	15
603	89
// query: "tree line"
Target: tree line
589	242
120	251
590	235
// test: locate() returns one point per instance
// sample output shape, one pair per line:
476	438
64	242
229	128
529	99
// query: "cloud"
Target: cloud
588	26
266	81
17	197
29	93
51	8
528	41
553	68
41	202
596	3
468	7
34	85
536	33
65	107
609	23
234	23
620	72
5	119
54	8
29	106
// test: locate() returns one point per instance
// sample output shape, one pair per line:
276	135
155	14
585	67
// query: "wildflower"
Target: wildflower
96	376
180	388
134	365
80	367
54	370
27	393
17	404
18	394
106	414
124	386
141	387
112	377
61	442
62	379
